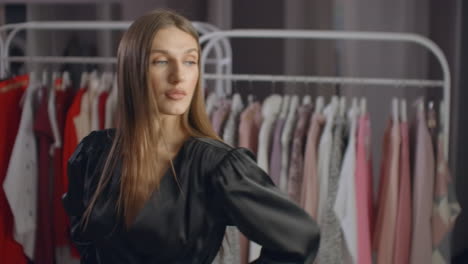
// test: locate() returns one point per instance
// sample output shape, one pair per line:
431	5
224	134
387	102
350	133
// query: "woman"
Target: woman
162	187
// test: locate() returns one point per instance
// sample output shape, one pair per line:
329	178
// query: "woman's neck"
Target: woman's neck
174	133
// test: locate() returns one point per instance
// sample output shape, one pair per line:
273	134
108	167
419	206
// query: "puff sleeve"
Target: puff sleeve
74	200
249	199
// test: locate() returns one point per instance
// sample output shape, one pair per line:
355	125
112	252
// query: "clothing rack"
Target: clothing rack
222	50
212	38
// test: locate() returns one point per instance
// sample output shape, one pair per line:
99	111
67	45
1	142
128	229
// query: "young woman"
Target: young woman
162	186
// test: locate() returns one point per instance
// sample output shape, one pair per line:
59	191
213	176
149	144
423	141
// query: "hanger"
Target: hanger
114	83
250	99
237	104
84	79
330	112
354	103
66	82
319	102
271	106
211	102
403	112
342	106
94	81
441	115
106	82
285	106
395	109
45	78
363	106
353	110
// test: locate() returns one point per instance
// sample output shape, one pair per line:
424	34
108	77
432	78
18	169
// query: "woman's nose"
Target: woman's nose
177	74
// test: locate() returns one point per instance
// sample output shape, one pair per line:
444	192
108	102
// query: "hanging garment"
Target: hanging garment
286	139
229	252
220	116
230	247
385	229
57	83
70	143
445	209
323	168
404	215
95	116
229	135
20	184
44	248
309	198
421	245
84	120
63	100
102	109
224	186
111	104
330	250
424	164
345	203
296	163
11	92
275	158
249	128
364	185
270	110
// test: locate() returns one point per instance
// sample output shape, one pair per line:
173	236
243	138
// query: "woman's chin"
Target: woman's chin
173	111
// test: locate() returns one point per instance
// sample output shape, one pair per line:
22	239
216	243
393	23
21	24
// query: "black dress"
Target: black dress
221	186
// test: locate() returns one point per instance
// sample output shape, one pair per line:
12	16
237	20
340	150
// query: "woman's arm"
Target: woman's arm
250	200
73	200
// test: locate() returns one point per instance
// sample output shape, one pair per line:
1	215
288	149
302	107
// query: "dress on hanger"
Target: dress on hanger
364	200
345	202
330	250
44	247
424	169
20	184
385	229
404	215
309	198
296	163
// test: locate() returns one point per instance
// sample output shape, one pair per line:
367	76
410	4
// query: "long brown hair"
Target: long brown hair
137	137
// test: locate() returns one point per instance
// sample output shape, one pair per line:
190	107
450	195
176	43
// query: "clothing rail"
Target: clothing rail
222	52
211	38
325	80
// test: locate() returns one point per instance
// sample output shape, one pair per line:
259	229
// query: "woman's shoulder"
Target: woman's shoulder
214	152
93	144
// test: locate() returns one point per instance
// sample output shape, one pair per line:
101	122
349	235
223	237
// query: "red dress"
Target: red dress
70	141
63	100
102	109
44	250
11	92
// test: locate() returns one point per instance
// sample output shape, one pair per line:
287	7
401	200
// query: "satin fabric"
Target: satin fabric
219	186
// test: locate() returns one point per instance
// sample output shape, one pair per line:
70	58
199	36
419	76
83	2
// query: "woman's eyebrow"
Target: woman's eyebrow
167	52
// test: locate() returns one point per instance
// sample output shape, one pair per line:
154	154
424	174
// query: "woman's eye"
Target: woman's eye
190	62
160	62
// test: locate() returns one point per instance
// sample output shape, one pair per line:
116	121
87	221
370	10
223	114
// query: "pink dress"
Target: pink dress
364	191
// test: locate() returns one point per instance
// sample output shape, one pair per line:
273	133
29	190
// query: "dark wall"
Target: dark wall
460	242
258	55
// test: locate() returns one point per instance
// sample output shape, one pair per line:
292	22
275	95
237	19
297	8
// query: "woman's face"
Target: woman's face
173	70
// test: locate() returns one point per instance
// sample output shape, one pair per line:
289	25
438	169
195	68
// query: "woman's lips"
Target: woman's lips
175	94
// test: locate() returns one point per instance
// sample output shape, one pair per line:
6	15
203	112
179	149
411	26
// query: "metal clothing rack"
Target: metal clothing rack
222	50
212	38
